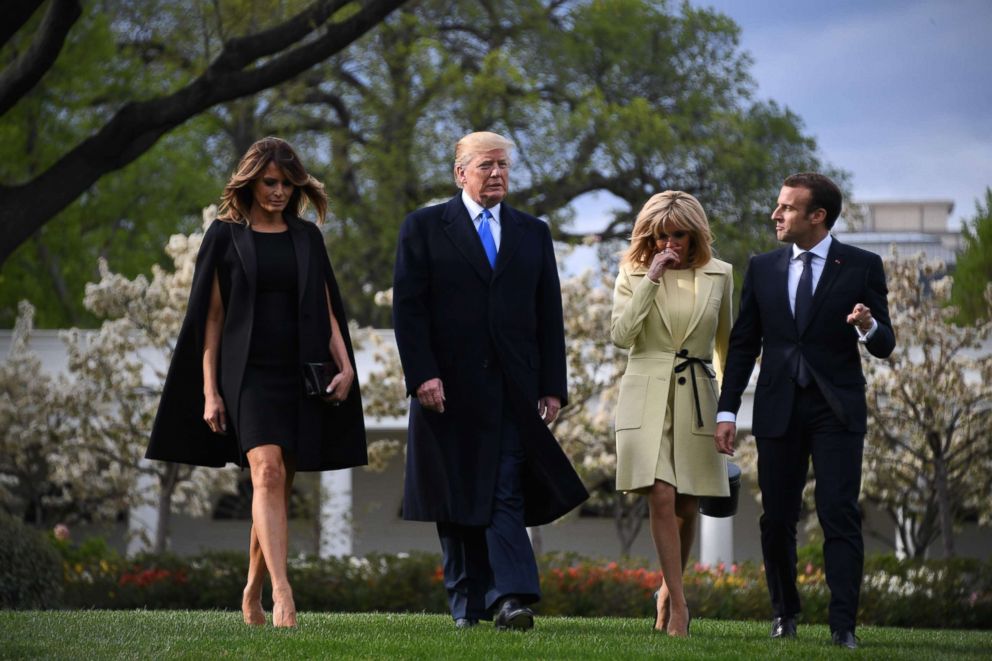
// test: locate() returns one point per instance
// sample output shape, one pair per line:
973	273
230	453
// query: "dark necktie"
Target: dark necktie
486	236
804	305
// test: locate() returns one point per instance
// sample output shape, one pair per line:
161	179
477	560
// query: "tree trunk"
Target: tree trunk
628	517
536	540
945	514
167	486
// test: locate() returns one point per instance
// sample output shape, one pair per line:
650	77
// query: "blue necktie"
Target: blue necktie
486	236
804	301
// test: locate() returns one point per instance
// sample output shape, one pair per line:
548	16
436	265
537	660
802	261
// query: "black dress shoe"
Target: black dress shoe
513	615
784	627
465	623
844	639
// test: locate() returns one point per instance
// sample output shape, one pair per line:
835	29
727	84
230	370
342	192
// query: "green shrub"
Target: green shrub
895	593
30	568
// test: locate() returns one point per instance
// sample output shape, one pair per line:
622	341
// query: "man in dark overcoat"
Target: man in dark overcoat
807	309
478	319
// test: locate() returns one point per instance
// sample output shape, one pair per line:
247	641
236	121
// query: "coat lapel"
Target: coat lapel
302	247
244	244
459	228
705	277
511	233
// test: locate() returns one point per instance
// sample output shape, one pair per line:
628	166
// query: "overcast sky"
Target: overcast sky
896	92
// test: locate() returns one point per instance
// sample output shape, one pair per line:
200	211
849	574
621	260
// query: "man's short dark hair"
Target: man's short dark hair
824	194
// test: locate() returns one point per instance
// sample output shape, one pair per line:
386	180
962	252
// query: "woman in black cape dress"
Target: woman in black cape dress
264	301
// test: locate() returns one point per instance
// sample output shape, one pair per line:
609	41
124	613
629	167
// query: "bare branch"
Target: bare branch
25	72
15	15
137	126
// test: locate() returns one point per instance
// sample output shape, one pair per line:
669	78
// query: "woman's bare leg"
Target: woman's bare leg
269	479
665	533
687	515
251	598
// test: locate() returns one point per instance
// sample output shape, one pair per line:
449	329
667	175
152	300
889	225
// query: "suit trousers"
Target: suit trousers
483	564
814	431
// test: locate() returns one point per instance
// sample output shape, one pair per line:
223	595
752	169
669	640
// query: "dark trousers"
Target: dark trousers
814	431
484	564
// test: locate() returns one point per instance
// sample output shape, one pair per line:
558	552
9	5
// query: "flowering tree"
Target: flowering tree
117	375
928	453
30	419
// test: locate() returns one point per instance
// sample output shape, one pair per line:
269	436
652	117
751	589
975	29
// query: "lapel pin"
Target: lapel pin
836	261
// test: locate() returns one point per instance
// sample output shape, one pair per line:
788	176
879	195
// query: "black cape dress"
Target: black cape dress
328	437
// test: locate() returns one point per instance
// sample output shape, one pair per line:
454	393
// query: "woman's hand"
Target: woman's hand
214	414
340	386
663	259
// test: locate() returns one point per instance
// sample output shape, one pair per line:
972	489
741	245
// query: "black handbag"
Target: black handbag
317	376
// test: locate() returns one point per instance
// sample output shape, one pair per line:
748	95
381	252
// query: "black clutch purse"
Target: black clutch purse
317	376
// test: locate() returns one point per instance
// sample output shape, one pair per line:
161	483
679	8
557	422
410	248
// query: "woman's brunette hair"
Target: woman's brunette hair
236	200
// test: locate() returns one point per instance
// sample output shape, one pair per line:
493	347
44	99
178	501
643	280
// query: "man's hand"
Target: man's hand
548	407
861	317
724	437
430	394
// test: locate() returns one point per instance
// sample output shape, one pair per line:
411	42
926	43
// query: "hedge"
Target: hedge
955	593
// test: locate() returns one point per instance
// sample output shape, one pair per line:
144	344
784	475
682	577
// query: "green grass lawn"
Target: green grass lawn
212	634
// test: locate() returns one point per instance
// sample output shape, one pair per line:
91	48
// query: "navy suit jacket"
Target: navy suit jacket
766	326
495	338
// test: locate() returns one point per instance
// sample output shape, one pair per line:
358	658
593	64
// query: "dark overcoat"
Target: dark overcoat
330	437
495	338
766	326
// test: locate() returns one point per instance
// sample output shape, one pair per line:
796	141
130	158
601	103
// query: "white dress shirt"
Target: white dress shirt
475	213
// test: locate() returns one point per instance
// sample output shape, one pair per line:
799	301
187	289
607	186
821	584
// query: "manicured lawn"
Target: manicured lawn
212	634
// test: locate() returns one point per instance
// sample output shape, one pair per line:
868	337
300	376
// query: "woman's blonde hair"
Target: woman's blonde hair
665	213
236	200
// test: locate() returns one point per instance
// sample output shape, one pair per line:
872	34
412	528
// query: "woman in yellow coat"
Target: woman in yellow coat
672	310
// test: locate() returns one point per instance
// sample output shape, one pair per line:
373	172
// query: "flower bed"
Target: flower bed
955	593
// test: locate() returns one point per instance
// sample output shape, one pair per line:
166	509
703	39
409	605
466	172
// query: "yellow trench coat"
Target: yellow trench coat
641	324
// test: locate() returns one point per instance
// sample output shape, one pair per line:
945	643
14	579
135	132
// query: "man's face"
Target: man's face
486	178
794	223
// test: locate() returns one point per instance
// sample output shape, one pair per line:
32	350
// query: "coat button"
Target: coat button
485	363
681	380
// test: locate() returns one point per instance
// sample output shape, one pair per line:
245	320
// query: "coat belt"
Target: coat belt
689	362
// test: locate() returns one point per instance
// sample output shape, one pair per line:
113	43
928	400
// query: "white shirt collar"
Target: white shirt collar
820	250
474	208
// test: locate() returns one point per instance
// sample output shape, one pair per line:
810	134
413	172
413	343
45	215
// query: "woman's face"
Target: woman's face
272	189
678	241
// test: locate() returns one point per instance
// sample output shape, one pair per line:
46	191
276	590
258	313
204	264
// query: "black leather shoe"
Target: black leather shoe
513	615
844	639
784	627
465	623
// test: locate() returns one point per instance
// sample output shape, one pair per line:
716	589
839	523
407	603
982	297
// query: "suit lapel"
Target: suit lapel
780	283
302	247
244	244
459	228
511	233
703	286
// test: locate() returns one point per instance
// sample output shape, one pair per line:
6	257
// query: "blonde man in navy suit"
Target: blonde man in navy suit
478	319
807	309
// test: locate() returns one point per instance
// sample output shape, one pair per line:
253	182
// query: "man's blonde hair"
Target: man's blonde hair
477	143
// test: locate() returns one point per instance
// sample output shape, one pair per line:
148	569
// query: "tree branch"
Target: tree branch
138	125
24	73
15	15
